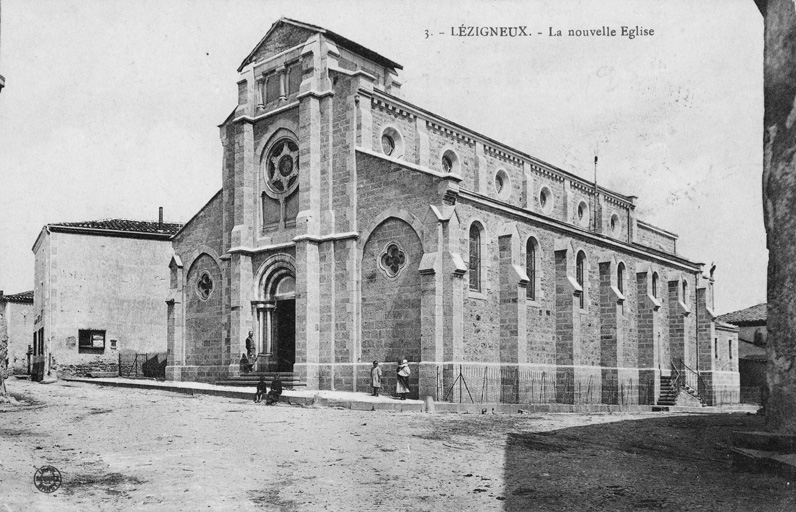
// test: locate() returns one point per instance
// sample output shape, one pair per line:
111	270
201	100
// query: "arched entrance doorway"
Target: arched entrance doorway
277	323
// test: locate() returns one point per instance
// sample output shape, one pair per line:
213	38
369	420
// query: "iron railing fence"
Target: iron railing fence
142	365
489	384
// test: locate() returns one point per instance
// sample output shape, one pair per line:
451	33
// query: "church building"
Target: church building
354	226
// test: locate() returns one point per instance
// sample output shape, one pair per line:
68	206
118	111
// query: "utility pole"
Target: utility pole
2	80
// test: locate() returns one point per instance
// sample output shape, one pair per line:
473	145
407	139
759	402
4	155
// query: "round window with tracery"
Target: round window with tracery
392	260
204	286
282	167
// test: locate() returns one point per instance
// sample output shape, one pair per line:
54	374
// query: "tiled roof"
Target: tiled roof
756	315
137	226
18	297
122	228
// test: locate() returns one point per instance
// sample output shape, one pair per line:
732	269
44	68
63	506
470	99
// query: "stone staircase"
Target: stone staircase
669	394
289	380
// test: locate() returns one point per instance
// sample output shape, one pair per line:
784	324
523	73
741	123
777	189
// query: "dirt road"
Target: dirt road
121	449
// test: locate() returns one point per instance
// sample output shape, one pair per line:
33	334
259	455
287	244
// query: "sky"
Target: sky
111	108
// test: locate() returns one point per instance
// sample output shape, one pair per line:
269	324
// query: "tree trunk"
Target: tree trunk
779	203
3	357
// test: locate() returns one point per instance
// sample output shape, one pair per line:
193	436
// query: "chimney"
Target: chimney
160	218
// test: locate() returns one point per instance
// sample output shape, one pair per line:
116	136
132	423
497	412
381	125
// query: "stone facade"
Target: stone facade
403	235
17	311
99	289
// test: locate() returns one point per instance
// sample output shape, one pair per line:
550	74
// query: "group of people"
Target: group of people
272	396
401	383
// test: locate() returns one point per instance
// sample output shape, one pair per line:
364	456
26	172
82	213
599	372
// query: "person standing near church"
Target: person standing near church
375	378
250	348
402	384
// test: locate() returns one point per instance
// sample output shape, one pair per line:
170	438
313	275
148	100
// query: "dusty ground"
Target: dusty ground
150	450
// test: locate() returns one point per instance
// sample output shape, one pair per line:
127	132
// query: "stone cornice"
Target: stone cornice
587	188
301	238
315	94
496	146
326	238
389	107
448	132
248	119
503	155
543	171
658	230
618	202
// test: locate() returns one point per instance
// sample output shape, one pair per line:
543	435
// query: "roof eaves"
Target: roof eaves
115	233
362	50
335	37
21	298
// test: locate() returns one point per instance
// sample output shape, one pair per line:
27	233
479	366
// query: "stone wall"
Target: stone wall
655	239
203	319
19	329
89	365
391	304
113	285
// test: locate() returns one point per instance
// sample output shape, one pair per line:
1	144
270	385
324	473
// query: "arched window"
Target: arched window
620	278
685	292
655	284
530	268
475	258
580	264
450	162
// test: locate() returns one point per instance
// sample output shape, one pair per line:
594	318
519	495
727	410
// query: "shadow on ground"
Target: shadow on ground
679	462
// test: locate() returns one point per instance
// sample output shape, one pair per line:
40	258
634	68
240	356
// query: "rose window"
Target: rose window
204	286
392	260
282	166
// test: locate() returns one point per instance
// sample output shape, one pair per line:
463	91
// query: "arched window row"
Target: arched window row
533	269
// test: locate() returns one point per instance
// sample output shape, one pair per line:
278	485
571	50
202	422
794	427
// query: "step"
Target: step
249	376
747	459
267	375
766	441
248	383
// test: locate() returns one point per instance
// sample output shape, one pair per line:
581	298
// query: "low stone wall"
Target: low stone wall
84	368
209	374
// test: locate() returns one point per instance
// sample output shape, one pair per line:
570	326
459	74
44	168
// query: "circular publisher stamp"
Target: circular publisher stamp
47	479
